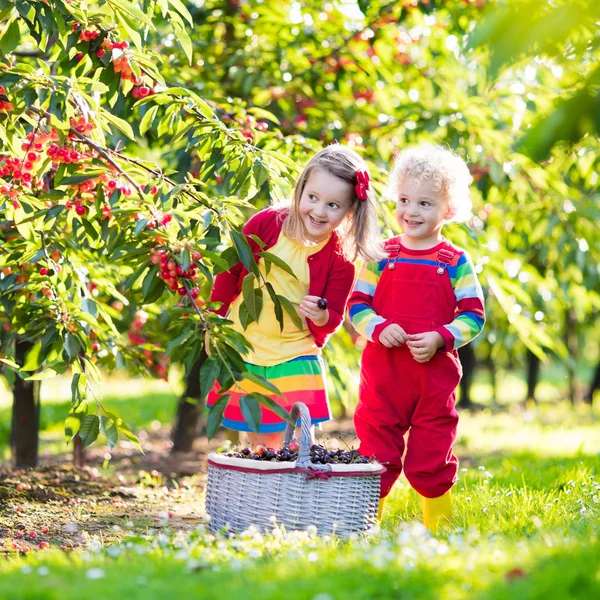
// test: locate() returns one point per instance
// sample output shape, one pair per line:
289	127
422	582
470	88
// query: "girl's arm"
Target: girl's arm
339	284
360	310
470	312
228	284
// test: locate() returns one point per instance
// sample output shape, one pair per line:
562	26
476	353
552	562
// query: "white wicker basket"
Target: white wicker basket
337	499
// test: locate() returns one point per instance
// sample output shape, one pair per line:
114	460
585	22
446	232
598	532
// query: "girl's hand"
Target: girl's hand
309	309
424	345
393	335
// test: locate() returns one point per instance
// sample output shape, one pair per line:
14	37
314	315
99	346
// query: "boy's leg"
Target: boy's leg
382	439
430	465
380	508
382	416
436	511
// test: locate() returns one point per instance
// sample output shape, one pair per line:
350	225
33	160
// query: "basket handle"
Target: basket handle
300	409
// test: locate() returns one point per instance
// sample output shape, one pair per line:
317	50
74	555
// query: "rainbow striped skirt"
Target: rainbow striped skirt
301	379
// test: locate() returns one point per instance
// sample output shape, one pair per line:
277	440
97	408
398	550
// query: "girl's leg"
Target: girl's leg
270	440
233	436
298	434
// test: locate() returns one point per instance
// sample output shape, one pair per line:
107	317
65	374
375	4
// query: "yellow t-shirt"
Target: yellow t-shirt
273	346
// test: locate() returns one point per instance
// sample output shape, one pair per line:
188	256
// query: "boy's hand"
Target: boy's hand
309	309
393	335
424	345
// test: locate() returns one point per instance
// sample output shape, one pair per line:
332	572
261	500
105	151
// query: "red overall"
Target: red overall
397	394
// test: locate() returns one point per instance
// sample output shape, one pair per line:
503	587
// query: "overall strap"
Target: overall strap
393	248
444	259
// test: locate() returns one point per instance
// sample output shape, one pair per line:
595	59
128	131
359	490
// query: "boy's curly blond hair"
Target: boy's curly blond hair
448	172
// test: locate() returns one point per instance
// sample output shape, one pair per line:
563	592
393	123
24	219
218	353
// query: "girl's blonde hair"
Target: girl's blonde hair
358	233
447	171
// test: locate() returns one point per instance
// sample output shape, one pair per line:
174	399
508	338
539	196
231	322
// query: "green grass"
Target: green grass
526	525
141	403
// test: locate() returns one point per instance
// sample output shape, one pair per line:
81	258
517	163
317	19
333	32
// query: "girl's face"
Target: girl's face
421	212
325	202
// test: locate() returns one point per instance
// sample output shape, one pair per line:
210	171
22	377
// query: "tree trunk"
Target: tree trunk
571	344
78	452
491	367
188	414
533	375
467	359
594	385
25	415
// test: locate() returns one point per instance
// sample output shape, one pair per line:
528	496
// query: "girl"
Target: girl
415	308
331	221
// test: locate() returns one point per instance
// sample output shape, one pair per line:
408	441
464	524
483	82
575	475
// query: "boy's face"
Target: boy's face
421	212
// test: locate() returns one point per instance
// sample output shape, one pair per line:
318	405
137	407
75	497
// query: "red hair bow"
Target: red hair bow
362	184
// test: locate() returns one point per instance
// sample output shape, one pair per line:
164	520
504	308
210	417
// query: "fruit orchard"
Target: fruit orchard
137	137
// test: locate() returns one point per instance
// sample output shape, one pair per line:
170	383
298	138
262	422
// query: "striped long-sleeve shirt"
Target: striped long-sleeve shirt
469	316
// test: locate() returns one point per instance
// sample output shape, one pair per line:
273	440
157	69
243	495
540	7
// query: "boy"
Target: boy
415	308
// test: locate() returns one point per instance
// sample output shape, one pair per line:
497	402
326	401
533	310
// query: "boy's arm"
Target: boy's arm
470	315
360	305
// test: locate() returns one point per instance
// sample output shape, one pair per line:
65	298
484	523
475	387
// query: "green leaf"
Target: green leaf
182	36
131	26
90	229
119	123
122	427
182	10
258	241
277	261
90	427
290	309
72	425
9	362
45	374
148	119
129	8
178	341
215	415
75	389
108	428
153	286
251	412
74	179
272	405
276	305
32	358
262	382
215	258
244	317
72	346
10	37
244	252
253	299
209	372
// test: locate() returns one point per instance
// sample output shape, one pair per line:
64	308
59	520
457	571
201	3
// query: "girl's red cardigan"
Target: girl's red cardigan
331	274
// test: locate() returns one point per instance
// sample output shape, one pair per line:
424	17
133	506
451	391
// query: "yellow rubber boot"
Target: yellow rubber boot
436	511
380	508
